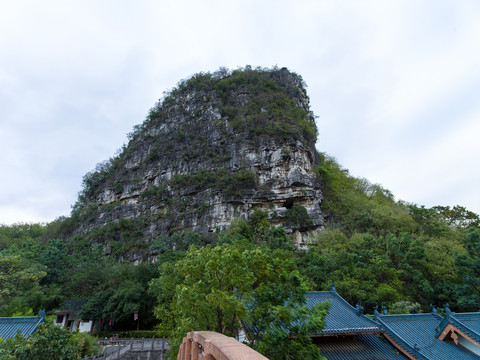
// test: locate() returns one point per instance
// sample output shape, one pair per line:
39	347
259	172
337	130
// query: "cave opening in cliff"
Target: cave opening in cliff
288	204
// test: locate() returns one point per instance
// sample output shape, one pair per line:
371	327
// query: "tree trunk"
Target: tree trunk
219	320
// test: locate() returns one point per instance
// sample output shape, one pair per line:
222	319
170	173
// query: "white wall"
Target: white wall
85	326
82	326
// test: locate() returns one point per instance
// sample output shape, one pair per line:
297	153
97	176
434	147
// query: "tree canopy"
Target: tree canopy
214	287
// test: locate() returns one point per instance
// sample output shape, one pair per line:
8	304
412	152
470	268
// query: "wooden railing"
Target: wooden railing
209	345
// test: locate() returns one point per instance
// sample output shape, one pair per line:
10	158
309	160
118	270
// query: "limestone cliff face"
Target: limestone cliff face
214	149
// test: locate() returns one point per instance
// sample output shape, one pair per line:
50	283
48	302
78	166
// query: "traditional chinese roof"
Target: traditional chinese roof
342	318
471	320
9	326
360	347
348	334
465	324
416	334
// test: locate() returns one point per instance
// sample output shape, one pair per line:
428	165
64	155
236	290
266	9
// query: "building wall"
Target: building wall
85	326
72	321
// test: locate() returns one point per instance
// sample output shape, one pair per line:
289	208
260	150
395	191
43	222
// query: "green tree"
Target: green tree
17	233
468	267
212	287
355	205
298	216
258	230
458	216
358	267
17	277
123	293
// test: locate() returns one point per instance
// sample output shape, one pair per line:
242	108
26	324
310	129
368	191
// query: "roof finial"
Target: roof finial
384	310
447	309
359	308
41	313
333	288
434	311
375	311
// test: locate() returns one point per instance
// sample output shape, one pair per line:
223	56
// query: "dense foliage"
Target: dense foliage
212	287
39	273
383	252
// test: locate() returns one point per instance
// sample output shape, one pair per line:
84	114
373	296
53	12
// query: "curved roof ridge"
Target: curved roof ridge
323	293
16	318
410	316
453	320
467	315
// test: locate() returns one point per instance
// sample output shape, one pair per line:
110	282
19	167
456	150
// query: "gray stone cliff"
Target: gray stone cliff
214	149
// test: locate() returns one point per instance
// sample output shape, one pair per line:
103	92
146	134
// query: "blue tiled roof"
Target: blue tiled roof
9	326
342	318
416	334
468	323
471	320
361	347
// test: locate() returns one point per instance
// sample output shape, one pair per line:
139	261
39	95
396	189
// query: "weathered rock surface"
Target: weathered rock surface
217	147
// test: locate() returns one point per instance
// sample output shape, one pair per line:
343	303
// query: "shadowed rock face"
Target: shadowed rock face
215	148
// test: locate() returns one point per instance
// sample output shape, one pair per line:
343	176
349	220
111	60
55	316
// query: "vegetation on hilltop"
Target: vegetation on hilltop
262	102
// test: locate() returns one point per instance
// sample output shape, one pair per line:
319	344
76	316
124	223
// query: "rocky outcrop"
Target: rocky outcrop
214	149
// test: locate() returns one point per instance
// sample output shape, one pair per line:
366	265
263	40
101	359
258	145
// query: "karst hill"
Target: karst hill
217	161
214	149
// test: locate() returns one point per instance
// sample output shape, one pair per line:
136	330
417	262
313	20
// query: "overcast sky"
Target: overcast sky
395	86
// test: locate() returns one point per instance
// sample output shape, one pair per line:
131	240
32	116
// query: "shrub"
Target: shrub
85	343
298	216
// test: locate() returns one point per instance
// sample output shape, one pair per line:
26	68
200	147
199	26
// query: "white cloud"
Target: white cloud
393	82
